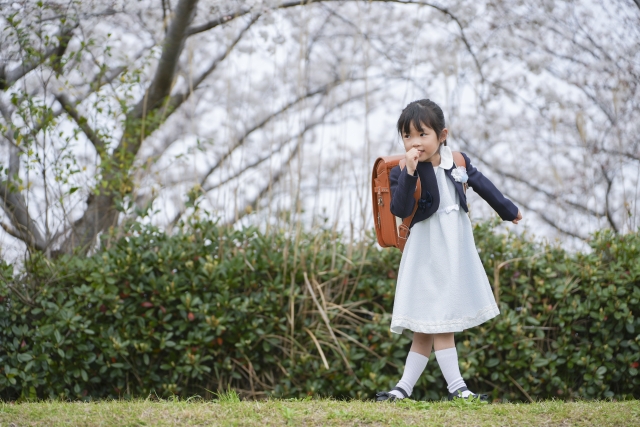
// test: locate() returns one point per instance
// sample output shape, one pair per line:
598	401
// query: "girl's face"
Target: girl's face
425	141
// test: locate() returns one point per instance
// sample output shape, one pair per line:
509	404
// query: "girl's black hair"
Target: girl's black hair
423	111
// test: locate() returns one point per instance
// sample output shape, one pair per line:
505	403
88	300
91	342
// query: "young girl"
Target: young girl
442	287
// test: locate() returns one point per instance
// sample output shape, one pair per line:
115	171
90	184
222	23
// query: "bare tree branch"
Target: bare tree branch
529	184
245	10
15	206
11	231
584	90
252	205
8	135
250	166
178	99
241	140
631	156
166	6
13	202
56	58
107	12
552	52
82	122
8	78
310	125
11	199
546	218
606	199
165	73
333	13
101	79
284	5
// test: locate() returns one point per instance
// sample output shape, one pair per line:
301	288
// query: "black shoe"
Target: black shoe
384	395
457	395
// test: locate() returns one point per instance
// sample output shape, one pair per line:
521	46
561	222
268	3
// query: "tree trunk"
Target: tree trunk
101	212
99	216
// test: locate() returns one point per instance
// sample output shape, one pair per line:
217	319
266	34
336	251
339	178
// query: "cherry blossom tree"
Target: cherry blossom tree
252	110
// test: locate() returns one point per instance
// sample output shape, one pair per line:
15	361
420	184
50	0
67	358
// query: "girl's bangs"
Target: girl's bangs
417	115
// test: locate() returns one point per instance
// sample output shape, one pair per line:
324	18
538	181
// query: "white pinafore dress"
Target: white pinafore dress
442	285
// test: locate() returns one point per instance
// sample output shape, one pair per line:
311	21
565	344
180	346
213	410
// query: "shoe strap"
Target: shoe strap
404	393
460	390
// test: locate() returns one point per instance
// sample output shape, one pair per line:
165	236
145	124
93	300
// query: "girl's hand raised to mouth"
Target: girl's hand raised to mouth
412	160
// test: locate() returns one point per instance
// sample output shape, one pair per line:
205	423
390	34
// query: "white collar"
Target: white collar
446	158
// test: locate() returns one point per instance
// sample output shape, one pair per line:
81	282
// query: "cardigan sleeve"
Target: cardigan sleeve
402	186
485	189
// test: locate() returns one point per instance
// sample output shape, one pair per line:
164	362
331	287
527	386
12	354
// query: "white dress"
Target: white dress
442	285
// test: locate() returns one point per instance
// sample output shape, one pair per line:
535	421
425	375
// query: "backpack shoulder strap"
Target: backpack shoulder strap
403	230
458	159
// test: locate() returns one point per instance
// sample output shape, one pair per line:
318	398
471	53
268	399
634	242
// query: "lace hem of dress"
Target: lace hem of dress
457	325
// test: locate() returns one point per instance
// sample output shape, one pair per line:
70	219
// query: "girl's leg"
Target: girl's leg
443	341
415	364
447	357
422	343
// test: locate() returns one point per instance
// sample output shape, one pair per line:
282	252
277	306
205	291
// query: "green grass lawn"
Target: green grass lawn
318	412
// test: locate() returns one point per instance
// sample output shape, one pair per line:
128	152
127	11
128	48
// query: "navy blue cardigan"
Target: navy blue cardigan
403	186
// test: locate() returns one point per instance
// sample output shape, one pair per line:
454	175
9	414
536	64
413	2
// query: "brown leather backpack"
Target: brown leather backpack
392	231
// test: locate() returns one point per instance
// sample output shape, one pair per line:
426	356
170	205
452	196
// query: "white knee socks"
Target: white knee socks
448	361
414	366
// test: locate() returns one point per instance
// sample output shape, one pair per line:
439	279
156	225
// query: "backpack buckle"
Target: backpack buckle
379	191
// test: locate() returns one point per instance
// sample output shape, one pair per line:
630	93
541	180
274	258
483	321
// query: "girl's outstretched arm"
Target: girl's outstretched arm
402	186
485	188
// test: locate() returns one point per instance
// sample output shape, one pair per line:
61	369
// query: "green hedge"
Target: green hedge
210	308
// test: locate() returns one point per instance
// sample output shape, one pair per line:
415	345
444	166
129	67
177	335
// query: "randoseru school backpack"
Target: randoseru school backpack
392	231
